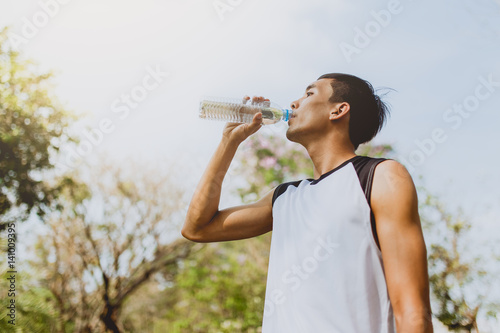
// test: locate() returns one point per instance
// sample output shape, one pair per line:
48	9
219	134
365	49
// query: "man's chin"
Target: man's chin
290	135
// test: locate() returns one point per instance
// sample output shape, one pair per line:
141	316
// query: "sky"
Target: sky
138	70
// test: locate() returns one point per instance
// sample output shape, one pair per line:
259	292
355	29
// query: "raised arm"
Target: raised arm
204	221
395	207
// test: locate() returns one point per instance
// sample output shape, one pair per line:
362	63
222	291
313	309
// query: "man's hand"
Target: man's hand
238	132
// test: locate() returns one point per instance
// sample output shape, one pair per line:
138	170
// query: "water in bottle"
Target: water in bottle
233	110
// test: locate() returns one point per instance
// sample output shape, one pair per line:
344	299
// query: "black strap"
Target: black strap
281	188
368	190
365	168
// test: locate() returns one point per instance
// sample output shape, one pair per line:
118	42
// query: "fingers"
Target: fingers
256	100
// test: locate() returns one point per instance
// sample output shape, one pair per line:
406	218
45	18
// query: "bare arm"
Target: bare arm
204	222
395	207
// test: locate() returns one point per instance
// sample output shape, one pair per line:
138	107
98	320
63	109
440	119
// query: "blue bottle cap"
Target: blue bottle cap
287	113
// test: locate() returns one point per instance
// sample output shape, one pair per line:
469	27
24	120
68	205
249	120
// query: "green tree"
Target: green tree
33	125
460	283
32	128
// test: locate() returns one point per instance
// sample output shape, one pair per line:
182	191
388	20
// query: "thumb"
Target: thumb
256	122
257	119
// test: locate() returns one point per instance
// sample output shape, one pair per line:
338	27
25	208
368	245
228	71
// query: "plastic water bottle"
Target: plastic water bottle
234	110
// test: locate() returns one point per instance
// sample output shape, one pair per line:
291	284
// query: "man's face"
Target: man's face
311	111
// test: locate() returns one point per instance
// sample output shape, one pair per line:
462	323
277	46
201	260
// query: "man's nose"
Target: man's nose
294	105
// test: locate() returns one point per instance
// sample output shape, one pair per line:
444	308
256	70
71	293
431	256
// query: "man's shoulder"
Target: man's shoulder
391	178
392	168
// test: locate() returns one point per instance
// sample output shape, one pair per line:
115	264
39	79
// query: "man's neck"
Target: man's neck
326	157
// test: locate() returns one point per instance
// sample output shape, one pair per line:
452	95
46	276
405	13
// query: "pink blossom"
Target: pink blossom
267	162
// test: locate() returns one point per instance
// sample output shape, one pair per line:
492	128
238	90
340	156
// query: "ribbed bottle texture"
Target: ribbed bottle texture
233	110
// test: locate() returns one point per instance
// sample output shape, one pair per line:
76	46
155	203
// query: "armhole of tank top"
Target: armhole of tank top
368	191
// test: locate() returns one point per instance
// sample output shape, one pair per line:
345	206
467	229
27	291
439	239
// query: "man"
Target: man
347	250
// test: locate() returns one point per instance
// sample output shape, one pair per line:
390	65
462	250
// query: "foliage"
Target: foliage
459	283
34	310
32	128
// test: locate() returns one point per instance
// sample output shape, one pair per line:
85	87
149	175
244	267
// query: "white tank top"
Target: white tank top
325	267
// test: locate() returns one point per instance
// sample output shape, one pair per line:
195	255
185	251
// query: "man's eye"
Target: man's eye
309	93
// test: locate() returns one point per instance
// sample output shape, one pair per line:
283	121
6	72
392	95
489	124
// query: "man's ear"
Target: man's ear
339	110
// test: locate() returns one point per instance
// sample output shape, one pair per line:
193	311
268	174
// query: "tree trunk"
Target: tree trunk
108	317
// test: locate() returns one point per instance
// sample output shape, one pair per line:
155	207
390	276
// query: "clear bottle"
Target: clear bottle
233	110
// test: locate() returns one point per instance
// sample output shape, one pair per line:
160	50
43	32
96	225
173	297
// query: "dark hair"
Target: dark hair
367	113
